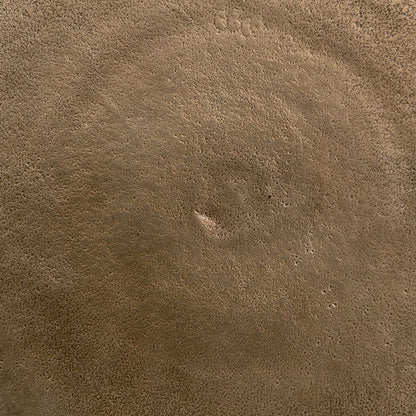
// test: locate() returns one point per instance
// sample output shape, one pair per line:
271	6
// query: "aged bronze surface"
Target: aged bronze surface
207	208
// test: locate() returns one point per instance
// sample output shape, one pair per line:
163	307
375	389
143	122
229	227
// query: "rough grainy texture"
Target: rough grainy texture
207	207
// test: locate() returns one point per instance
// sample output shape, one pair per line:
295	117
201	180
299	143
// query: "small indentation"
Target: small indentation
210	226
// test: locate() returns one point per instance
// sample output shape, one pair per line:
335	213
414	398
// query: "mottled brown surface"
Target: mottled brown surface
207	208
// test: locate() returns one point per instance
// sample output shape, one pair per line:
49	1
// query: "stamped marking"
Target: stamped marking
233	23
221	20
246	28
